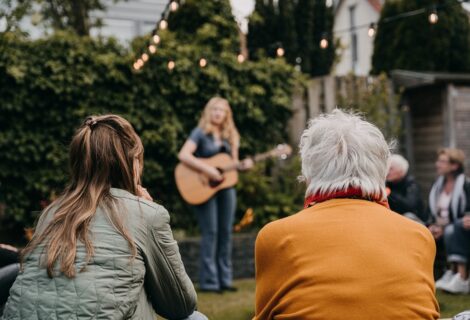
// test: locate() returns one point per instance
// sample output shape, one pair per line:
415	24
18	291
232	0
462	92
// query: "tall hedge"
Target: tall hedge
412	43
48	86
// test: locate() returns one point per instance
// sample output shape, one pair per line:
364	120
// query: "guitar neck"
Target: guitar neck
256	158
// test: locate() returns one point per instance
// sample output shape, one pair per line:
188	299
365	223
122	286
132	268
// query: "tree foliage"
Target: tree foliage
70	15
412	43
297	26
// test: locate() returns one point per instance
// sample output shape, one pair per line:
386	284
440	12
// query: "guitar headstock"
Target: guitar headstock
281	151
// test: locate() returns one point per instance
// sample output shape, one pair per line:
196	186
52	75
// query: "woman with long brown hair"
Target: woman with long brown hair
103	249
215	133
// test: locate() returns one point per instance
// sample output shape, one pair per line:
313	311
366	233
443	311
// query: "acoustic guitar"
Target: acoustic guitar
196	188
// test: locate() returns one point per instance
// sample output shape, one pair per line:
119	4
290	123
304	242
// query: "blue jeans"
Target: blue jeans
215	221
457	242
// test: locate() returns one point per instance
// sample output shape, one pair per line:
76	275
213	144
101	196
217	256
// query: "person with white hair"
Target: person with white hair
346	255
404	195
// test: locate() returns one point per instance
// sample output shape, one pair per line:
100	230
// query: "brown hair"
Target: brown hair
456	156
229	131
103	154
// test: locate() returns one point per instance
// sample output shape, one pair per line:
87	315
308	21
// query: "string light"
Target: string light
152	49
171	65
145	57
280	52
163	24
136	66
241	58
156	39
371	31
203	63
174	6
433	17
324	42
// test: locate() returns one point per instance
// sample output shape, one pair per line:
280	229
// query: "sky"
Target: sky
241	10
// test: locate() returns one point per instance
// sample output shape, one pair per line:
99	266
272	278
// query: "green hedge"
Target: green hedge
48	86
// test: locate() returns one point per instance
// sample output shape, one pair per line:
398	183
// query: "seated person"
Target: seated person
405	196
346	255
449	207
9	267
103	249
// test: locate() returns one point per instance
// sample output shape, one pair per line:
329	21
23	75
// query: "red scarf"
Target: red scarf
348	193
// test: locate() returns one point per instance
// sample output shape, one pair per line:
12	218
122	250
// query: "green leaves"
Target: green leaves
412	43
46	95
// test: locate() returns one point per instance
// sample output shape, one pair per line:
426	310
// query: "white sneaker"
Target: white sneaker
445	279
457	285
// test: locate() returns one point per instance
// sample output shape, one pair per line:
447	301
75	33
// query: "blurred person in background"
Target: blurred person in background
404	195
449	208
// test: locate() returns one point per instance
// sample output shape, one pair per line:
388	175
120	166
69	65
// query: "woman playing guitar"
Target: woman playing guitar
216	133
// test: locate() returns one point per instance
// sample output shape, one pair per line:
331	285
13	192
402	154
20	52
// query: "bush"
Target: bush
48	86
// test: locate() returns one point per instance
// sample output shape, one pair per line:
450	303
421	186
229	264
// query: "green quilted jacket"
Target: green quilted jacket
112	285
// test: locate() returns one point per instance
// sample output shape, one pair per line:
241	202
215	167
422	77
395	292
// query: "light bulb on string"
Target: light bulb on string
324	42
145	57
140	62
163	24
371	31
152	49
171	65
136	66
202	63
280	52
156	39
174	6
433	17
241	58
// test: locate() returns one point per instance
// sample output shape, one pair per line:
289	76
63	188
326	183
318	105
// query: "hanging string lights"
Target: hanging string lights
174	5
155	40
372	30
433	17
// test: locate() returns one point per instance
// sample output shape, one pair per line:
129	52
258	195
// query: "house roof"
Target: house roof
414	79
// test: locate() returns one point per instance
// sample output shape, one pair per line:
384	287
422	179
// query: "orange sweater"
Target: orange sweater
345	259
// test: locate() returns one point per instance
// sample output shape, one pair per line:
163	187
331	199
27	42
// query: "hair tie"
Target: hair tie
90	122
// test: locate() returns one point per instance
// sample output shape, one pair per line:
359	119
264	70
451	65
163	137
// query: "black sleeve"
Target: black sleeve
411	202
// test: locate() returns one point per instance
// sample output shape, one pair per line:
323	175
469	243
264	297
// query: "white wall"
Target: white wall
364	15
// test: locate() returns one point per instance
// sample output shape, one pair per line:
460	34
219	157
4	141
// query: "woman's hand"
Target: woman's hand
466	222
143	193
436	231
246	164
213	174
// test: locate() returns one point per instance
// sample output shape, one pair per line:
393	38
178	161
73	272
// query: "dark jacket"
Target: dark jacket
405	196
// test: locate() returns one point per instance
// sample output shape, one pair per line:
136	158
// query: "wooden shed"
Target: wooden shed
436	114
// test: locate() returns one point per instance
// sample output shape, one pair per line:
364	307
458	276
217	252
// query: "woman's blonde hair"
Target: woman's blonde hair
103	154
228	129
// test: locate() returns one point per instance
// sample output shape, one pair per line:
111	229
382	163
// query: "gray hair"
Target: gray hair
400	163
340	150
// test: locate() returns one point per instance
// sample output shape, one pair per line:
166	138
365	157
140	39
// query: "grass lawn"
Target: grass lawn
240	305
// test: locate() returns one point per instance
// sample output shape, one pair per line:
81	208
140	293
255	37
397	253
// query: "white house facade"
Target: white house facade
351	28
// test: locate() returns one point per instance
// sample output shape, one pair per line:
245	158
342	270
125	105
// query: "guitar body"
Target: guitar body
195	187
